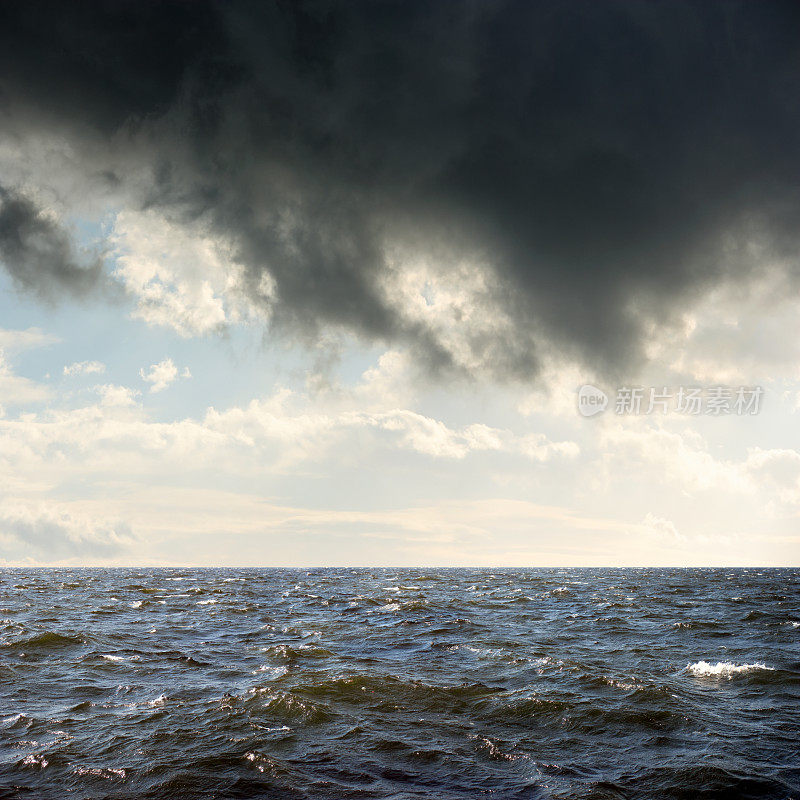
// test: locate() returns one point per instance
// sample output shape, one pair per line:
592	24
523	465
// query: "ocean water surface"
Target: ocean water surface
400	683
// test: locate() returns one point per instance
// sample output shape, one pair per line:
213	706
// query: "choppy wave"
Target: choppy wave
45	640
399	684
724	669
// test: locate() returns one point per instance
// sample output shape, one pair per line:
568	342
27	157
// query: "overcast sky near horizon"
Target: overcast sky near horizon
317	283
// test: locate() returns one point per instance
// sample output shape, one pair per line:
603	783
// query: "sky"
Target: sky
320	283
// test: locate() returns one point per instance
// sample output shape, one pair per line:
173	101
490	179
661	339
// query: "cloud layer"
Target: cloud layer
591	167
47	533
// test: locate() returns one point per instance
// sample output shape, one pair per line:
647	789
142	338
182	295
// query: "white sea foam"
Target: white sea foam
723	669
161	700
273	673
158	702
387	607
99	772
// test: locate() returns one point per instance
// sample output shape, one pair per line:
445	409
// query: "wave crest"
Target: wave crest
724	669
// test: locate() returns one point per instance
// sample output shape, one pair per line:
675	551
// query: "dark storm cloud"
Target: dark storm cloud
38	253
609	160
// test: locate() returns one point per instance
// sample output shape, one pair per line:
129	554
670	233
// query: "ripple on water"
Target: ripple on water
394	684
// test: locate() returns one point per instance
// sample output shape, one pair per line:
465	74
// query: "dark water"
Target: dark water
400	683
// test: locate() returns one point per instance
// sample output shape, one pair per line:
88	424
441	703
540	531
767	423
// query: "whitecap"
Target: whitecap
101	772
273	673
14	719
723	669
161	700
112	657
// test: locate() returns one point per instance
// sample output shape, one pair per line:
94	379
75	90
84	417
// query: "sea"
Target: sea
400	683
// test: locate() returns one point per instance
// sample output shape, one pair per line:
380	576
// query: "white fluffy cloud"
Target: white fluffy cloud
112	395
181	276
779	469
459	306
12	341
279	432
84	368
662	527
323	465
16	390
161	375
679	458
113	445
739	333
